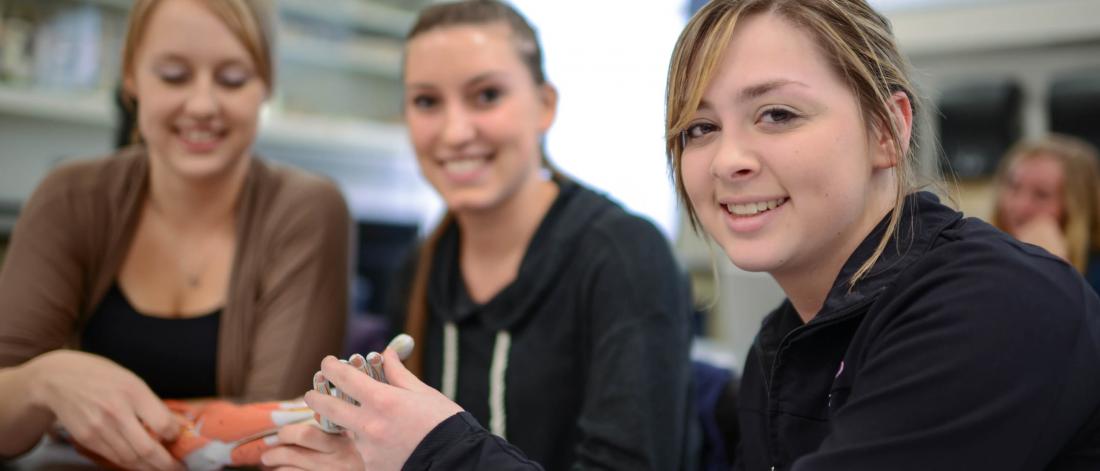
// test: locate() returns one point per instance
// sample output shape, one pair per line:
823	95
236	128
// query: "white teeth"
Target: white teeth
199	136
749	209
462	165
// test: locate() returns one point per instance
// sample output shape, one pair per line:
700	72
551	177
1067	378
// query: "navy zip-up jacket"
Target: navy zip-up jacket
963	349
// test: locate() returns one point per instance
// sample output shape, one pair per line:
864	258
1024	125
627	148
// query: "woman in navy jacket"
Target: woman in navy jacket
911	338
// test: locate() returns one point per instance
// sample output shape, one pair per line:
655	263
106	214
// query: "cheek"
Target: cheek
697	181
422	132
244	106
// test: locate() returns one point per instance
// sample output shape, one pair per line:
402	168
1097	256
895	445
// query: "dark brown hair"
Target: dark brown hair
464	13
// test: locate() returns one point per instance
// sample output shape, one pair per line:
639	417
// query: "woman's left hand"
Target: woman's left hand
304	446
391	419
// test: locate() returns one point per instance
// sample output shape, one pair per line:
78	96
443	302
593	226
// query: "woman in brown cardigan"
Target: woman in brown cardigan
182	267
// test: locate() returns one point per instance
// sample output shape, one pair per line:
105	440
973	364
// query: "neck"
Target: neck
196	203
807	287
501	232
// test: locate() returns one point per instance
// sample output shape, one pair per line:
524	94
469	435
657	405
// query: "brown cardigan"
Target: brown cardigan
288	293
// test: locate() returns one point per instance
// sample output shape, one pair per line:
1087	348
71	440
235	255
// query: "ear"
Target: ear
901	113
129	87
548	96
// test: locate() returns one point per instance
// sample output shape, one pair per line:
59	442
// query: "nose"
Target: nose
202	101
458	127
734	159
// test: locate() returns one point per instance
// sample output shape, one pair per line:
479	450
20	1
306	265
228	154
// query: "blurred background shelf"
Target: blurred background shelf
370	16
92	108
373	57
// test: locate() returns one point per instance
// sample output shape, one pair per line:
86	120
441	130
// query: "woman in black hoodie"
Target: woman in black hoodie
554	318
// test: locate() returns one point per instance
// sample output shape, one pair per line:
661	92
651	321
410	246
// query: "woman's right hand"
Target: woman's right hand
105	408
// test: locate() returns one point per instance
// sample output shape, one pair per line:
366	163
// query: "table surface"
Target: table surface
50	456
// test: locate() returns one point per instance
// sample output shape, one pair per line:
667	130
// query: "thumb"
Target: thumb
399	376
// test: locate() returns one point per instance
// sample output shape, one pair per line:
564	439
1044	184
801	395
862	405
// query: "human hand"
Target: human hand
304	446
1045	232
391	419
105	408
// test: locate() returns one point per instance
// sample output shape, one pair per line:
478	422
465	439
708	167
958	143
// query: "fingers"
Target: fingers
292	457
155	415
147	452
402	344
400	376
104	447
349	380
335	409
307	435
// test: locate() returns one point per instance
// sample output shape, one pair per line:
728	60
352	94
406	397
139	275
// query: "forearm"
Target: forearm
22	421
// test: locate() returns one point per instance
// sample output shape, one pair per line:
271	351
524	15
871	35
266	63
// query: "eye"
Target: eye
234	76
173	72
424	102
488	96
699	130
778	115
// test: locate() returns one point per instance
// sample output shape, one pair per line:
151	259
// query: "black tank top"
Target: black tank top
177	358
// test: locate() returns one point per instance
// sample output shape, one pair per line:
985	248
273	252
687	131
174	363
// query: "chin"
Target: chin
203	167
471	201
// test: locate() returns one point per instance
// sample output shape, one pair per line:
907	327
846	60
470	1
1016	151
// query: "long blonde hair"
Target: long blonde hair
856	40
1080	190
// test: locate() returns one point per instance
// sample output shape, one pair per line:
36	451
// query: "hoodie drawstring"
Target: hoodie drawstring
450	359
501	347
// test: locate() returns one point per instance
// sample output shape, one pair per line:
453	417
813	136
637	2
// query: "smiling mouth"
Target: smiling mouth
201	140
752	209
464	166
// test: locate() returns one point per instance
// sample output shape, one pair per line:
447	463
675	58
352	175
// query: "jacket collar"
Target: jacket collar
922	221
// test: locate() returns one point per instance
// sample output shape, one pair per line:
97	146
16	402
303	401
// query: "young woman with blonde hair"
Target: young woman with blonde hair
912	337
181	267
1048	194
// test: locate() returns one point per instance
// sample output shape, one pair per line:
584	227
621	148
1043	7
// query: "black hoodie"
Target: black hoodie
582	361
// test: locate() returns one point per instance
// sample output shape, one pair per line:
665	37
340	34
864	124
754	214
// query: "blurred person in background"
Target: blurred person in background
545	311
180	267
1048	194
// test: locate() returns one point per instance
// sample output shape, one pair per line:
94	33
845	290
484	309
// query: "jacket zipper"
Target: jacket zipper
769	377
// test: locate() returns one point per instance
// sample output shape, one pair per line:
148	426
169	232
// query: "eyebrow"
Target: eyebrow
479	78
753	92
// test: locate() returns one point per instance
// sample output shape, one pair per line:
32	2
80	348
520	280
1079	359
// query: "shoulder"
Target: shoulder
976	280
83	182
611	225
618	243
972	250
297	198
